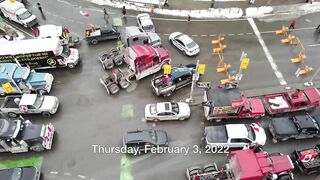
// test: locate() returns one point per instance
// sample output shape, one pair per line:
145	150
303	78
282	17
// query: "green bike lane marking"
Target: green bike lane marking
125	173
127	111
34	161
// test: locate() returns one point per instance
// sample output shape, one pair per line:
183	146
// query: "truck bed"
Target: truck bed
276	102
8	102
216	134
284	126
222	97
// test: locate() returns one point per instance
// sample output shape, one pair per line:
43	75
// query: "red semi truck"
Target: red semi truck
295	100
246	165
140	60
229	103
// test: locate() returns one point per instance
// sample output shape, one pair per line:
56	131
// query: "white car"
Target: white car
144	22
235	135
167	111
184	43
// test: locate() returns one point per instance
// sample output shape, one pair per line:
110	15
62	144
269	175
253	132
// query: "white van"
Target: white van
18	13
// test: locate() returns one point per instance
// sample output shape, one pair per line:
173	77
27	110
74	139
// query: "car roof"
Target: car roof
139	135
237	131
180	71
28	99
185	38
7	129
163	107
305	121
145	20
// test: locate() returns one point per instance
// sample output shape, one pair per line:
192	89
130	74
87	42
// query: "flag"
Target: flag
84	13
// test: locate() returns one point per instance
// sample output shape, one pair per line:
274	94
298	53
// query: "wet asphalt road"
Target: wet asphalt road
88	115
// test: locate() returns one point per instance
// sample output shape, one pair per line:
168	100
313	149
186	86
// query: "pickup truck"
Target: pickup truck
295	100
180	77
235	135
295	127
224	103
307	160
29	104
96	34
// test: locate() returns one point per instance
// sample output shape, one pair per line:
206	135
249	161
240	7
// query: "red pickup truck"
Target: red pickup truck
230	104
295	100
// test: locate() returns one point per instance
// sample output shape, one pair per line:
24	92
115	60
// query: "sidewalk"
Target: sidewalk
222	10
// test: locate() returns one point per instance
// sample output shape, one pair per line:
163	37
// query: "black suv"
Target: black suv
140	138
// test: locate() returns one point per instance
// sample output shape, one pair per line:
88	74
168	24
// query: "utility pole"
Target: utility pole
195	78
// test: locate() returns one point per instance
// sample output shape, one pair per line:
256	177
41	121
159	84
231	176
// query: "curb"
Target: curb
9	29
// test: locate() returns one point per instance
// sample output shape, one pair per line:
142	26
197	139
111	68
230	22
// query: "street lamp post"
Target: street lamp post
195	77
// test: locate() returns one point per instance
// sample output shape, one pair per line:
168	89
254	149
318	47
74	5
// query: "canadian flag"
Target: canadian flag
84	13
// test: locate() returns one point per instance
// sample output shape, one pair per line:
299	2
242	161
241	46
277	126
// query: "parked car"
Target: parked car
20	173
140	138
144	22
295	127
165	85
235	135
167	111
184	43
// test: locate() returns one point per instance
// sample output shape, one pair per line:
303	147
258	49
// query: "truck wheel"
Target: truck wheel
94	41
209	168
46	114
118	61
274	140
285	177
106	78
168	94
124	83
114	89
108	64
194	170
42	91
37	148
12	114
181	119
71	65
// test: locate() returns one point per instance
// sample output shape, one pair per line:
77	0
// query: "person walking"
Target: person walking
124	11
293	24
39	7
105	14
189	18
251	2
166	3
212	4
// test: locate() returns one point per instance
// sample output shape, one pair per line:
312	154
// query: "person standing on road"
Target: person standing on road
166	3
189	18
251	2
39	7
212	4
293	24
105	15
124	11
318	27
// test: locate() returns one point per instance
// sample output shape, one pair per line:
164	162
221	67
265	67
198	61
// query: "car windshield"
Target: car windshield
66	52
153	136
175	107
153	109
16	175
25	15
192	44
38	102
149	27
251	134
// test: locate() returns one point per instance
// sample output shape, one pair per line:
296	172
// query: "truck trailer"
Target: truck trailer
39	53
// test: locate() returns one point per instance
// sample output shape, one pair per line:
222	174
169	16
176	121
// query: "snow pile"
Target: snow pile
211	13
257	12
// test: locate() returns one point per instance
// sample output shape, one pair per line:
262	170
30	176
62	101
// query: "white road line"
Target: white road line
249	33
67	174
313	45
267	52
54	172
230	34
166	34
308	20
194	35
80	176
240	34
203	35
212	35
